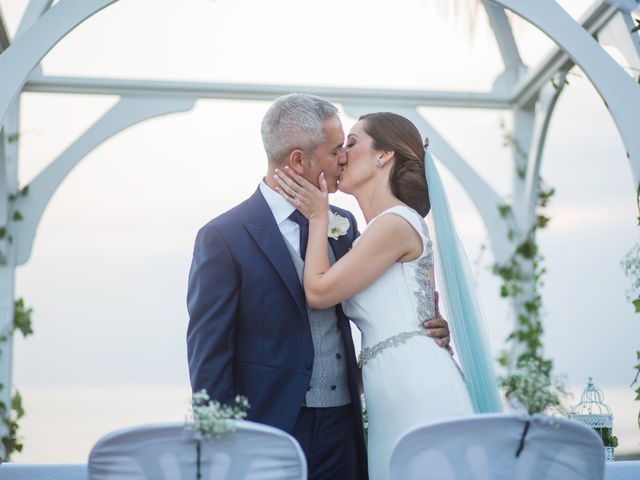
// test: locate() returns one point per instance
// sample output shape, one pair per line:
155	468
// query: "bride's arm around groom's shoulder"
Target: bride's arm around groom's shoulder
386	241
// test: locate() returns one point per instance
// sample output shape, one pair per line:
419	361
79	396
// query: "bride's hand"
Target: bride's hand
302	194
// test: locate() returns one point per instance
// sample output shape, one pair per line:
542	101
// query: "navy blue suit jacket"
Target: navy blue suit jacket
248	329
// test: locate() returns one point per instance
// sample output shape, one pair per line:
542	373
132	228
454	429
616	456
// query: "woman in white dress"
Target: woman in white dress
386	281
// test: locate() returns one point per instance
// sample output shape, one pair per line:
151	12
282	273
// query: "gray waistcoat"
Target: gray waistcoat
329	386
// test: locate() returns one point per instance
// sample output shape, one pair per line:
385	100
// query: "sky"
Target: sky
107	276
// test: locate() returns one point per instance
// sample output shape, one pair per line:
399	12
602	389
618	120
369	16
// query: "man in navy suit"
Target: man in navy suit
250	331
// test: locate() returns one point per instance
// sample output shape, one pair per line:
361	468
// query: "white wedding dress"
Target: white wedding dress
408	379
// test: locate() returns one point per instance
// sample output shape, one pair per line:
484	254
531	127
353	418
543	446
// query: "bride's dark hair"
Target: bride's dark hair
391	131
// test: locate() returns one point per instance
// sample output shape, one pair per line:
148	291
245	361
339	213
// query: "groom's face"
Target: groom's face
328	157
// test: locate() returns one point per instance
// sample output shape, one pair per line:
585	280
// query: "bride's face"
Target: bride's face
361	159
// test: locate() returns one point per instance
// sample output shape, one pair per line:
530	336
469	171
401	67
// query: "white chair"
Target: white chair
168	452
495	447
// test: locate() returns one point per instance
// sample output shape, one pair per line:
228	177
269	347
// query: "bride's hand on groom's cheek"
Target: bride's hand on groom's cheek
302	194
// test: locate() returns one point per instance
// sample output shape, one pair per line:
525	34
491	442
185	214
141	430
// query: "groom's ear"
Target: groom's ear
297	161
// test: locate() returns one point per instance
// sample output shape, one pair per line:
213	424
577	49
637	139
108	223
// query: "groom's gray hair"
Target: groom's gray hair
295	121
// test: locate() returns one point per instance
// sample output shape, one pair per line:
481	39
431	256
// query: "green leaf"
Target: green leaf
504	210
527	249
636	304
16	404
17	216
613	442
25	191
22	318
542	221
3	232
637	27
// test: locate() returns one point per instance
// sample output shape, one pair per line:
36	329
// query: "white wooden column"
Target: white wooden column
8	187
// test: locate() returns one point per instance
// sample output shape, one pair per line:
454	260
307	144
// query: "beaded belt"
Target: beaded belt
368	353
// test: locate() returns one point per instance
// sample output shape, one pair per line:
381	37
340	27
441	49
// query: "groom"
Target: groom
250	331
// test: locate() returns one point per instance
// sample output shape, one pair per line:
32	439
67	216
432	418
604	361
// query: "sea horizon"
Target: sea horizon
63	422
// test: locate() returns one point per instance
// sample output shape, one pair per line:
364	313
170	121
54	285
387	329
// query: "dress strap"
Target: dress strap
415	220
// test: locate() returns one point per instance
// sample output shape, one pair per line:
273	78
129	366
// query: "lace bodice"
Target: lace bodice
403	297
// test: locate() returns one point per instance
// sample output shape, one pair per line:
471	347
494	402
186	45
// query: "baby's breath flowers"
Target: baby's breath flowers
532	388
210	418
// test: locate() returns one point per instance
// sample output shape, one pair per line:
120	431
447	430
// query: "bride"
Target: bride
386	284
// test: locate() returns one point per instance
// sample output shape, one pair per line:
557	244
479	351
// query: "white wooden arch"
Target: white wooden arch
525	92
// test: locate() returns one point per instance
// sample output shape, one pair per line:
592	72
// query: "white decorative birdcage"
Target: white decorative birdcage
592	412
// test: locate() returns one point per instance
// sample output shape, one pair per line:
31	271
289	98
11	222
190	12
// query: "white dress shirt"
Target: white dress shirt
281	209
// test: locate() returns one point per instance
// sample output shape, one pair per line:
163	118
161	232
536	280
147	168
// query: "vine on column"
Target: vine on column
631	266
529	382
11	414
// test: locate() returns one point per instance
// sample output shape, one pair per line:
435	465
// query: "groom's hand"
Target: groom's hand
438	329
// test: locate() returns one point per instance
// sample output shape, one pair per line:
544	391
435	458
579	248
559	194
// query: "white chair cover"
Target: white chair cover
484	447
167	451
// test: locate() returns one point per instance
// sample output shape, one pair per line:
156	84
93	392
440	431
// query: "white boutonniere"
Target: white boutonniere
338	225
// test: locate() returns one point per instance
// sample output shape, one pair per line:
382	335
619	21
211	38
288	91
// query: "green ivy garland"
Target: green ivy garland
529	381
11	414
631	265
14	216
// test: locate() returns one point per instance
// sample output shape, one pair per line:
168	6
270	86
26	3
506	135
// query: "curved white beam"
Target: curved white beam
485	199
619	91
127	112
17	61
526	92
31	14
545	106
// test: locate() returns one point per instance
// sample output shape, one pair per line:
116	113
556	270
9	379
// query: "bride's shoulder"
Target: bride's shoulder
398	221
411	220
410	215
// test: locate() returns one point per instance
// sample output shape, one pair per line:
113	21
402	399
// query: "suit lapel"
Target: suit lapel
265	232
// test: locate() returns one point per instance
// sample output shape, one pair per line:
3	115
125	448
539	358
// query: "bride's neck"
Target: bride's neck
373	201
